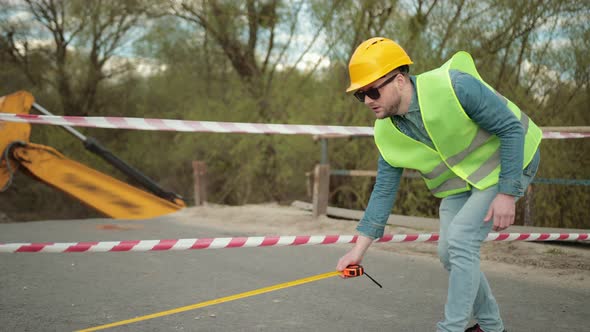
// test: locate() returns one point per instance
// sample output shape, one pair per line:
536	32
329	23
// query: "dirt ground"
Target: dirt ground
564	263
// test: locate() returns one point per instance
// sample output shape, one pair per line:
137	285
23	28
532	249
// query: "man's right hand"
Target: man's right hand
355	255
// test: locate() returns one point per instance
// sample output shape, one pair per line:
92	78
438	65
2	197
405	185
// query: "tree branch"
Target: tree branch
288	43
273	8
450	27
325	21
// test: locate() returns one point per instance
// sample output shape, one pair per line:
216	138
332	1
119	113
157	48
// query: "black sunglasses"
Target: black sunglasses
373	93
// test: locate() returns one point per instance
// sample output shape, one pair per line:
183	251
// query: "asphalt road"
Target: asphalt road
66	292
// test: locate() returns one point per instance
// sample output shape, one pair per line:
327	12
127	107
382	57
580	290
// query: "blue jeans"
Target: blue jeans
462	231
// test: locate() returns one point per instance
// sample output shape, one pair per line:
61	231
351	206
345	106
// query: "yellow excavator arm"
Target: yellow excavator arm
107	195
17	103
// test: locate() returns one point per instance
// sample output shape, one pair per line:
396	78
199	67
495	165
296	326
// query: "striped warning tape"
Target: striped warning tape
186	125
213	127
266	241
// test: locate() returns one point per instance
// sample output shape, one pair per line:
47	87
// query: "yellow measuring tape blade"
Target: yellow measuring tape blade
216	301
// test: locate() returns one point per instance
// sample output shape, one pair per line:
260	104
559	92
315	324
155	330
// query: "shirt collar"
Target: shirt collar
414	106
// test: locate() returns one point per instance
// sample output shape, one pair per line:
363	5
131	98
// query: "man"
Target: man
474	149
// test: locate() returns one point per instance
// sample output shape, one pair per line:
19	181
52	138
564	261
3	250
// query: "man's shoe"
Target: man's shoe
476	328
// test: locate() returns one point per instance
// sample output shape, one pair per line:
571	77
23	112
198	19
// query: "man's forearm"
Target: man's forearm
362	244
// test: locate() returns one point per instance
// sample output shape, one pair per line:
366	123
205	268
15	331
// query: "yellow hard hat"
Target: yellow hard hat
373	59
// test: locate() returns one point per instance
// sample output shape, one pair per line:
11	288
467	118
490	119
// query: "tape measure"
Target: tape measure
352	271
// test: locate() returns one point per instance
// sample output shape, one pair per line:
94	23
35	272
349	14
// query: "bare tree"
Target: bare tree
74	41
247	32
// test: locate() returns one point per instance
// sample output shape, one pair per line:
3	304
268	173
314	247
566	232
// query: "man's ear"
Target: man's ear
401	80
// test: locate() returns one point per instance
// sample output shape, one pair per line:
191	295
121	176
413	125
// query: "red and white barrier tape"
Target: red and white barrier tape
266	241
211	126
186	125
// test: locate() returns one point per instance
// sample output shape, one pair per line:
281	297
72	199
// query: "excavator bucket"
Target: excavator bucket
99	191
16	103
107	195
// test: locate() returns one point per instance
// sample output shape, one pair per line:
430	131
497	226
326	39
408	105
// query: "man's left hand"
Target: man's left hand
502	210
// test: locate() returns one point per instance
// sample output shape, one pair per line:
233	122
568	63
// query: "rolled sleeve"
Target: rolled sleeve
383	196
511	187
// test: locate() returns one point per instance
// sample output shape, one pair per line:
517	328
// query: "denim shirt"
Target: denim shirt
486	109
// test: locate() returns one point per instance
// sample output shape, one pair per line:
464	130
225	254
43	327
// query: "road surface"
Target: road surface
66	292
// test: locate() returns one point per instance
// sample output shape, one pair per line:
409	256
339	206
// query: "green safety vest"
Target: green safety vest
465	155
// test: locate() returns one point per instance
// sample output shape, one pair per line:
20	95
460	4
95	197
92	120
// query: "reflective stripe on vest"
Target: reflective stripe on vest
480	139
452	184
438	177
